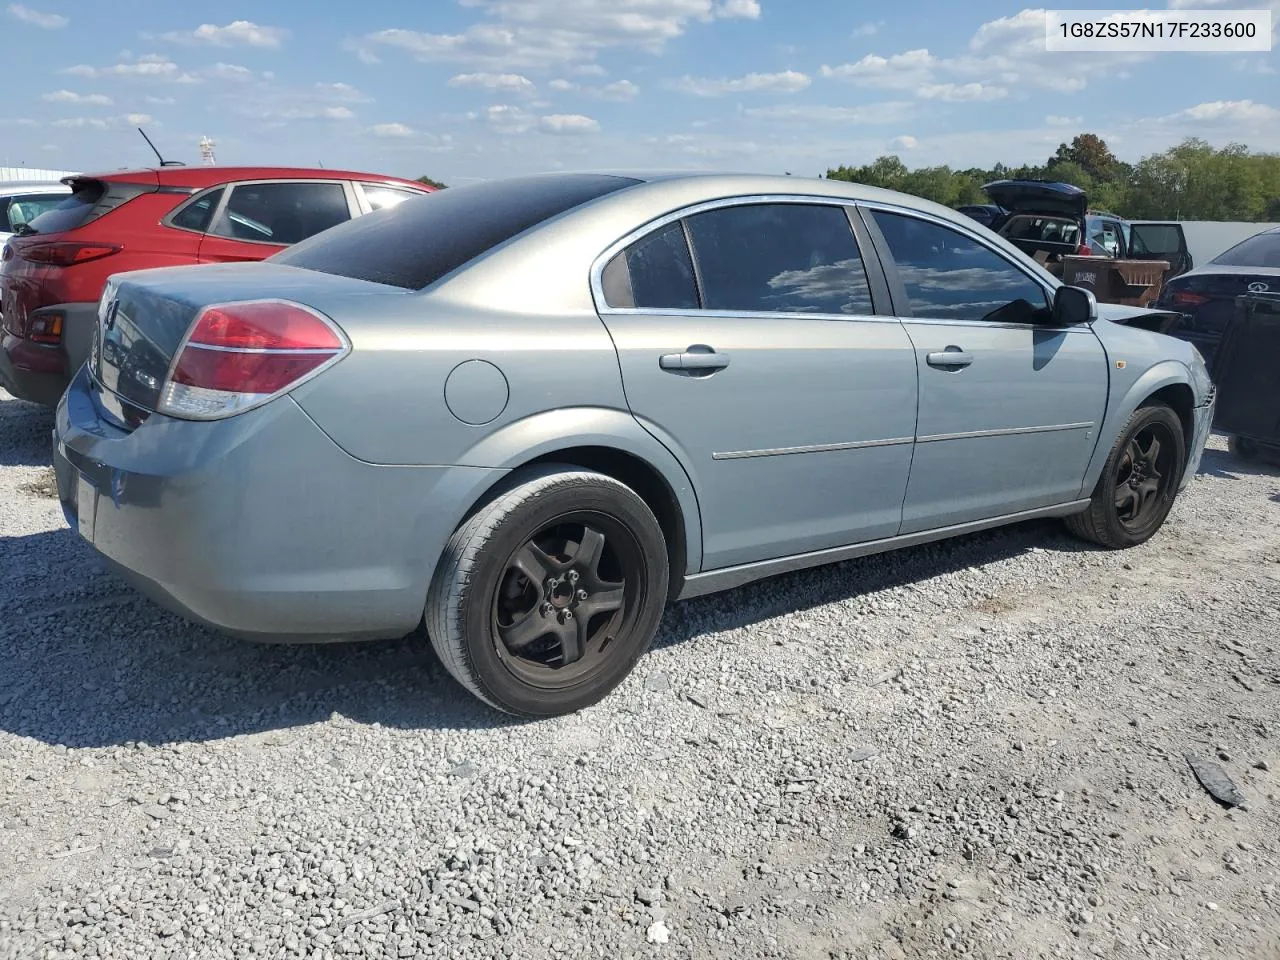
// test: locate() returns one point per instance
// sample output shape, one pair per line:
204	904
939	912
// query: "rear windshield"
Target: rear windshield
1041	229
71	212
415	243
1262	250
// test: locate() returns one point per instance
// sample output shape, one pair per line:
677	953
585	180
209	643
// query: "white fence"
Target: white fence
29	174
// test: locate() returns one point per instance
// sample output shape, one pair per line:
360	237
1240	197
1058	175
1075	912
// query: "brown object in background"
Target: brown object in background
1134	283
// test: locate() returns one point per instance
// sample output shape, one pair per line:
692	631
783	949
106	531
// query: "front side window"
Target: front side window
283	213
949	276
380	197
779	258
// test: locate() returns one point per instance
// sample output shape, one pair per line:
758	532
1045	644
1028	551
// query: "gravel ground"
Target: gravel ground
976	748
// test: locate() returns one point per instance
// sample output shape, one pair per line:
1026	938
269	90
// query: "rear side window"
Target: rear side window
415	243
285	213
1156	238
779	258
653	273
198	213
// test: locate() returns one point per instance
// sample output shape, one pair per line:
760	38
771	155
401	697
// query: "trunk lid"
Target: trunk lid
1038	196
144	318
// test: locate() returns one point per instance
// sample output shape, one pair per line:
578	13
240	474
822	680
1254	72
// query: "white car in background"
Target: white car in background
23	201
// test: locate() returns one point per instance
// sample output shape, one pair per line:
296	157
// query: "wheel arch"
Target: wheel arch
610	442
1168	382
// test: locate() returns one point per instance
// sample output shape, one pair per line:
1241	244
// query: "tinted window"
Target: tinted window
24	208
1262	250
197	213
779	257
654	272
282	212
1156	238
417	242
1042	229
949	276
73	210
382	197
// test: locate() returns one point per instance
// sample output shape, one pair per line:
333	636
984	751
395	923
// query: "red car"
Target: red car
54	272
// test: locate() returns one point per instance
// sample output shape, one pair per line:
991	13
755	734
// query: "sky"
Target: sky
470	89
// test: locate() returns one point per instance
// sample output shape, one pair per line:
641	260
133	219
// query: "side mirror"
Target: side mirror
1073	306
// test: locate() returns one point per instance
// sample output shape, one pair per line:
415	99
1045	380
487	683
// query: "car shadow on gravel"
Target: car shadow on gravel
1227	466
88	662
25	433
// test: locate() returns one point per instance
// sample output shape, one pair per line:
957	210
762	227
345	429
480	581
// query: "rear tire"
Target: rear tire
1139	481
544	600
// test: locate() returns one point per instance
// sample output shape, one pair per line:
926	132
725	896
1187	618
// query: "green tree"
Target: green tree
1089	152
432	183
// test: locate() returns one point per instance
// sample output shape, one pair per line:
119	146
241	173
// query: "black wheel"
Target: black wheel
1139	481
1243	447
544	599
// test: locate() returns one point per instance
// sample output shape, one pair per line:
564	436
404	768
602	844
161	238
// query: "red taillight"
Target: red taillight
1185	298
240	355
1084	250
66	253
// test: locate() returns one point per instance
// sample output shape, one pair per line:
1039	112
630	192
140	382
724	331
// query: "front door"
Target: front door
1009	407
759	359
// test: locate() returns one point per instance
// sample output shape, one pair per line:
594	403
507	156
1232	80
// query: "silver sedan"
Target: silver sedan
532	412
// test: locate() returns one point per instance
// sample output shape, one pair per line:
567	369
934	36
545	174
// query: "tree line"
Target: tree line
1191	181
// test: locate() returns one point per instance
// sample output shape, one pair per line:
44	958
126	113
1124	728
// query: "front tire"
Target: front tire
547	596
1139	481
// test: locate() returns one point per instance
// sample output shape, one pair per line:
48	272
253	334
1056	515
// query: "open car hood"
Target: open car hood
1038	196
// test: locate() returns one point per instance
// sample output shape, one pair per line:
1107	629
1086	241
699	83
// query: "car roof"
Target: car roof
203	176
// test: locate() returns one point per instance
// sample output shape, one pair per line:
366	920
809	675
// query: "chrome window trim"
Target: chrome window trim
744	200
348	192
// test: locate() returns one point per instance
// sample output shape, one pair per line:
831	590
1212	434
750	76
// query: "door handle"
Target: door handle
698	357
953	358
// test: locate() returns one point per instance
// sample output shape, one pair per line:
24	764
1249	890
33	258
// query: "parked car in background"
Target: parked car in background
990	215
21	202
533	411
1206	296
1054	219
53	274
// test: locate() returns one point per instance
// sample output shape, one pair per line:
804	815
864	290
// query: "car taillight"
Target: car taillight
1186	298
66	253
44	328
1084	250
240	355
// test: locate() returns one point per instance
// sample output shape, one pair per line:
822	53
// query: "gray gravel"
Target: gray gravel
971	749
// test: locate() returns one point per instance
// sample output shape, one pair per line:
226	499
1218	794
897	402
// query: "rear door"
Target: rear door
1160	241
1009	406
761	360
258	218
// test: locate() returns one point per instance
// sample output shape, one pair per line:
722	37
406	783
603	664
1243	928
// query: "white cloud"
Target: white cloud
747	9
70	96
151	66
590	70
961	92
391	130
788	81
904	142
868	29
231	71
105	123
902	71
567	123
505	118
494	82
238	33
519	34
1228	111
889	112
49	21
561	85
1054	120
138	119
619	90
341	92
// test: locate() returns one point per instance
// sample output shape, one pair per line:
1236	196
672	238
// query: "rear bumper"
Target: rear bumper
40	372
258	526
